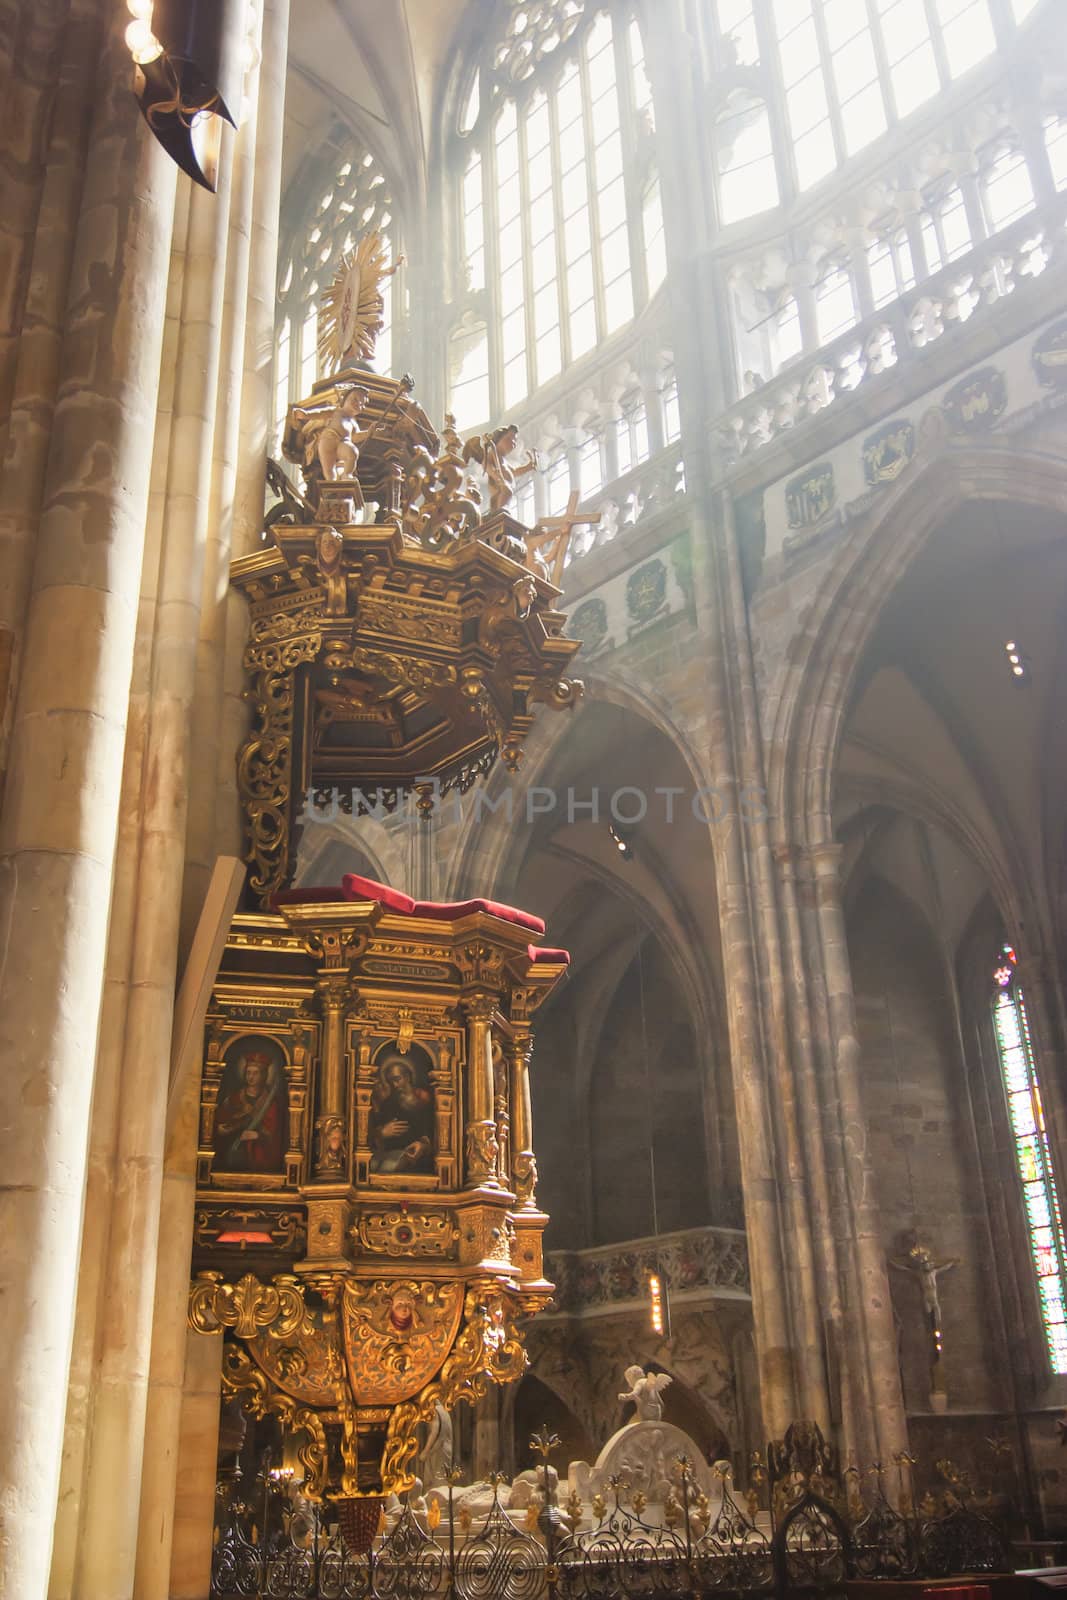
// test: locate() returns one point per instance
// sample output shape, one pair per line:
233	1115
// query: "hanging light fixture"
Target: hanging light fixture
622	845
1018	661
659	1304
191	57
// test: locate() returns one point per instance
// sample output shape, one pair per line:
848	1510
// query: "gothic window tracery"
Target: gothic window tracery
1007	191
631	434
560	210
797	88
748	176
1056	148
843	74
890	266
1032	1155
351	198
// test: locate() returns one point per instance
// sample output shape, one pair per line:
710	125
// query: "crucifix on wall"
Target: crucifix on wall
919	1262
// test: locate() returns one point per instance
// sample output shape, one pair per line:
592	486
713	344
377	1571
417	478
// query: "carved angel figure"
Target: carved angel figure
334	437
645	1391
353	308
491	452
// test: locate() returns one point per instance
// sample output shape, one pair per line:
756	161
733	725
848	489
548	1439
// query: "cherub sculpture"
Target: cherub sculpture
645	1391
491	452
334	440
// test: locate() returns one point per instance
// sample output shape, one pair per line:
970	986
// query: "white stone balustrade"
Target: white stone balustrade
898	335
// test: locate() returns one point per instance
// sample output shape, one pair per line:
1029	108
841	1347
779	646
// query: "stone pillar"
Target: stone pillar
58	827
50	101
167	1374
850	1406
257	405
108	1536
785	1301
874	1311
198	1451
203	790
749	1066
103	1132
481	1128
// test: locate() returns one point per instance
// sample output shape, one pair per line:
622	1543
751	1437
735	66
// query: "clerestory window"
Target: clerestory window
560	218
839	73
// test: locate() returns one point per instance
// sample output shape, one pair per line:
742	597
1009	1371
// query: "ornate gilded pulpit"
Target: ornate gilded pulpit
403	622
367	1231
367	1223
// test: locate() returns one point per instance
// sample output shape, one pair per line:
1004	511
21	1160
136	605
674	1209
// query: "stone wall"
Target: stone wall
583	1364
924	1156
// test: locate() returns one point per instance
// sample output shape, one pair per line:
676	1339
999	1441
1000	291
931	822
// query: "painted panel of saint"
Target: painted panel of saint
252	1111
402	1112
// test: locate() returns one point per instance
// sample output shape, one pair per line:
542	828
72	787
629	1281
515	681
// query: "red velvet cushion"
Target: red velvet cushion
307	897
561	958
353	887
356	888
452	910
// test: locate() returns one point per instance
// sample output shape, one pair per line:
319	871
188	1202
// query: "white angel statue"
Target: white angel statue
645	1391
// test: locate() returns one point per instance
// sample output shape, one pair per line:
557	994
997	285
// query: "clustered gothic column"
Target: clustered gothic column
180	1442
104	541
60	812
796	1060
874	1307
804	1169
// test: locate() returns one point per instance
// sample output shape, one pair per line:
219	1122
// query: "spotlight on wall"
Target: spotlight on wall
190	57
622	845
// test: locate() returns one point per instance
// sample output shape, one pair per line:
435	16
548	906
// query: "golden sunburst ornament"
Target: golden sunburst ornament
352	308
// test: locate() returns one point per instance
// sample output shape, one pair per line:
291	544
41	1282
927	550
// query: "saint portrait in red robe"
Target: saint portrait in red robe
249	1128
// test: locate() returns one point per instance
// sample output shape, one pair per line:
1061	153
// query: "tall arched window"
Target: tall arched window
842	71
347	201
1032	1156
558	201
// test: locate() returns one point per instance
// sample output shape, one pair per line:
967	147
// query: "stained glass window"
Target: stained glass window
1032	1156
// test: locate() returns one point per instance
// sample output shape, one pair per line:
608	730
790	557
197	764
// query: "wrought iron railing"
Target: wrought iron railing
817	1531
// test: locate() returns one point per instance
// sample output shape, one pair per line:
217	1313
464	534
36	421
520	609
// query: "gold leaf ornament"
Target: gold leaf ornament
352	309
